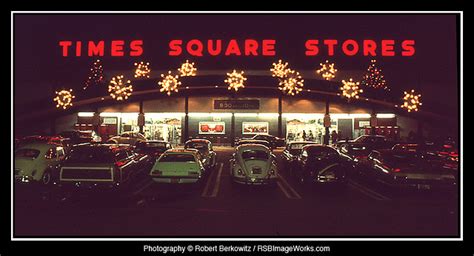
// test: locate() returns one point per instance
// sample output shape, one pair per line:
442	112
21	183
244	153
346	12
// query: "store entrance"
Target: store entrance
163	128
307	129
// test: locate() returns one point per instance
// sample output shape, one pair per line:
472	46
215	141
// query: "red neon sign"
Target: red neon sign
245	47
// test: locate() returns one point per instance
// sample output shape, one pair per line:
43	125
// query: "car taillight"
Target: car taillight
120	163
396	170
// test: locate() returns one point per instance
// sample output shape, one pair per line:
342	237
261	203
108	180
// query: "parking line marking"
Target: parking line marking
218	182
367	191
144	187
208	183
283	190
289	186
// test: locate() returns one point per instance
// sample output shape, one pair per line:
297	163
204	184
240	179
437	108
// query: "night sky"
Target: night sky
39	66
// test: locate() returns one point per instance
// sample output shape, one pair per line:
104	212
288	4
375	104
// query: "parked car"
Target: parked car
103	167
35	162
260	142
361	147
130	138
177	166
274	141
58	140
405	169
444	155
291	152
205	148
321	164
253	164
152	148
78	137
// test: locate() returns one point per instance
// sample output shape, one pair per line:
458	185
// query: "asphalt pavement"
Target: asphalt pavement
217	207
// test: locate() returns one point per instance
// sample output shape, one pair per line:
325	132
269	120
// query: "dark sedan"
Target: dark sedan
406	169
272	140
205	149
321	164
152	148
291	152
250	141
101	167
361	147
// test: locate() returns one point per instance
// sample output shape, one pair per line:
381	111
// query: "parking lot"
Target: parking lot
218	207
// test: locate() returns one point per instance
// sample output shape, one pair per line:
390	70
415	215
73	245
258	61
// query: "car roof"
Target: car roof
251	146
198	140
301	142
252	140
182	151
155	141
309	146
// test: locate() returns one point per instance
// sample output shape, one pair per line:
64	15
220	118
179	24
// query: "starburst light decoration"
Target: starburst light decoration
327	70
187	69
411	101
119	88
142	70
64	98
350	89
235	80
170	83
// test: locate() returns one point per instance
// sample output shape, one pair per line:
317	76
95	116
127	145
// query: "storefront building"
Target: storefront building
223	119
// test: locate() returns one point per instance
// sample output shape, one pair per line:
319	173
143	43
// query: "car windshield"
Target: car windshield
27	152
254	154
181	158
322	151
400	158
370	139
295	148
197	145
91	155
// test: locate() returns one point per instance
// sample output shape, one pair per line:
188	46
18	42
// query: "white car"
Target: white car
253	164
35	162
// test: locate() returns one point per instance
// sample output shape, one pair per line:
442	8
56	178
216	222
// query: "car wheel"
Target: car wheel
46	179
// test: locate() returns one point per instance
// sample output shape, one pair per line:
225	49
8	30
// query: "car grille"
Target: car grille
73	174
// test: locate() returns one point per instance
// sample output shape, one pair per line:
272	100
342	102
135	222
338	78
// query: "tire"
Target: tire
47	178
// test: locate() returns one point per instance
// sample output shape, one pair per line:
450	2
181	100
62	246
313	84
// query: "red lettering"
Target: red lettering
354	45
78	48
408	47
217	50
232	48
312	48
136	48
95	49
65	46
369	48
117	48
251	47
268	47
330	44
175	47
387	48
198	50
